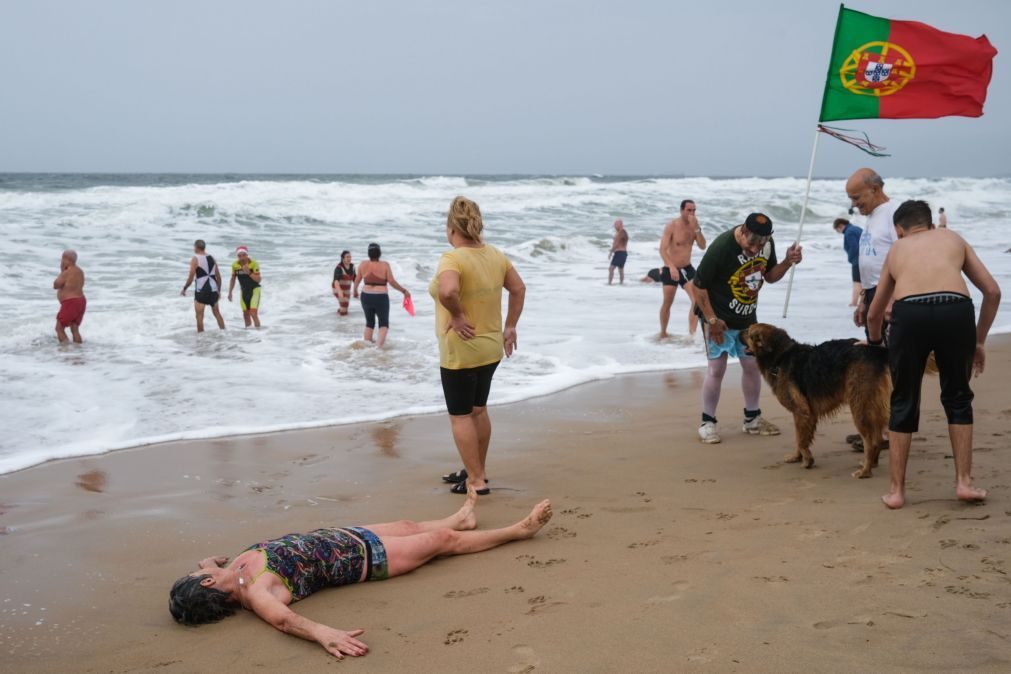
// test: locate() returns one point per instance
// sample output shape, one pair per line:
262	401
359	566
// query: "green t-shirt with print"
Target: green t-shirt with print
733	279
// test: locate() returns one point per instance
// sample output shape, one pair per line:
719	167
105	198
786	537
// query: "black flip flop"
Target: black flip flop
853	437
461	488
457	477
858	445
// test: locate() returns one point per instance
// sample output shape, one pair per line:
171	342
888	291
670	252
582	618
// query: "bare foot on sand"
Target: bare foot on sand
538	517
895	500
970	493
465	518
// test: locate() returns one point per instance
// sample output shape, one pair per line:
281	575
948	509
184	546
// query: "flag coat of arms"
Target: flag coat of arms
904	69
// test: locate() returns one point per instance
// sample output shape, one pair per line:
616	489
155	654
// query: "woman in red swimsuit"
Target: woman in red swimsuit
343	277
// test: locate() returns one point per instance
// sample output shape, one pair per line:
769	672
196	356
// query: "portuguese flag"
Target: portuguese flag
903	69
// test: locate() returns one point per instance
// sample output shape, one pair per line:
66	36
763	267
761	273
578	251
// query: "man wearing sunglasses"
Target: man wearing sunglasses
732	272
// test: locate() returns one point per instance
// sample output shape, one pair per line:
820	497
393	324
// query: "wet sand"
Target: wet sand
663	555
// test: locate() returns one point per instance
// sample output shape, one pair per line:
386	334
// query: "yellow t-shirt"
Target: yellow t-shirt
482	273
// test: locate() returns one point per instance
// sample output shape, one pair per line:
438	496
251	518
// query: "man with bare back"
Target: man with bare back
676	250
922	278
69	287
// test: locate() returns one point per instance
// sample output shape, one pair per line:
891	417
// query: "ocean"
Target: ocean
144	375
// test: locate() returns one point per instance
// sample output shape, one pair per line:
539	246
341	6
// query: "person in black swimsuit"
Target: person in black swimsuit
375	297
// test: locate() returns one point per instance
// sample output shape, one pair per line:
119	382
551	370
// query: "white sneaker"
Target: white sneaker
708	434
759	426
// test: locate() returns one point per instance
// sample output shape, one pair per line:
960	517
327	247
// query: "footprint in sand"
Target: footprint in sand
535	564
457	594
673	559
963	591
642	544
725	516
571	511
514	589
528	660
540	604
772	579
560	532
584	516
830	624
455	637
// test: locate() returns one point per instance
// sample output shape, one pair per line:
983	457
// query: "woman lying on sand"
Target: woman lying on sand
300	564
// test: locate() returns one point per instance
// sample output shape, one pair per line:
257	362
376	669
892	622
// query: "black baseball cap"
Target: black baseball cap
759	223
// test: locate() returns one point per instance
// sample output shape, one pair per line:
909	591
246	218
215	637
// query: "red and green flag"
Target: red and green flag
904	69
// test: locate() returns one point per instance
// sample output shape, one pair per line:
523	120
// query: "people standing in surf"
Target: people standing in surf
618	253
467	289
676	251
942	218
69	287
375	296
247	271
343	278
204	271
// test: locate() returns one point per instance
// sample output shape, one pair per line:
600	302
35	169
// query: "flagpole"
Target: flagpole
803	212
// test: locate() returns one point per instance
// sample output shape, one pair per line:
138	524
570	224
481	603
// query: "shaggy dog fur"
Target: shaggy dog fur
815	381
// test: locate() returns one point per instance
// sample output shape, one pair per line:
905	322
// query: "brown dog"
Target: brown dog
815	381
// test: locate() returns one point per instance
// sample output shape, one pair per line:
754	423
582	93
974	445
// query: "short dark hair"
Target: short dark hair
912	213
850	211
374	251
193	604
840	222
685	202
344	253
199	244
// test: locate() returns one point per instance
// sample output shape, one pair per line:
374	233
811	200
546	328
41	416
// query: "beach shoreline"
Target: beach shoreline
663	554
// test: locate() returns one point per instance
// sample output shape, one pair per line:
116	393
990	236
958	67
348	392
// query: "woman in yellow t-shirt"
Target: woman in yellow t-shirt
467	289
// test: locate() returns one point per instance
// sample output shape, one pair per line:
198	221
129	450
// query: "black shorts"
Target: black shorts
376	305
618	259
467	389
944	323
685	274
856	273
654	274
207	296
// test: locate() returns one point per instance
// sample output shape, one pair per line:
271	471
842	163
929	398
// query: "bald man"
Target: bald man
619	252
866	191
69	287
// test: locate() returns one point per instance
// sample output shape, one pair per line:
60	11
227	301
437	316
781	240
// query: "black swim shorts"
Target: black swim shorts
468	388
376	305
685	274
618	259
207	296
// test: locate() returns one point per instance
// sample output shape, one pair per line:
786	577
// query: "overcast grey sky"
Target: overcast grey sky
519	86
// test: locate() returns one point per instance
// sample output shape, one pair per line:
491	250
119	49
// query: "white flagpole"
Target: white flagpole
803	212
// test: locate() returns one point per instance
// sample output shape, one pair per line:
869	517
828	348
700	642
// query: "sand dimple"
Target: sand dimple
559	532
455	637
458	594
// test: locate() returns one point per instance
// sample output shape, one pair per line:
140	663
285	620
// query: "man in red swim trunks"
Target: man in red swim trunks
69	286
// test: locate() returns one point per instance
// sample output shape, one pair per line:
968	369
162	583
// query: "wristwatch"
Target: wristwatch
711	321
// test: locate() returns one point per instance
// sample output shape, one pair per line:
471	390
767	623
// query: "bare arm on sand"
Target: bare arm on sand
338	643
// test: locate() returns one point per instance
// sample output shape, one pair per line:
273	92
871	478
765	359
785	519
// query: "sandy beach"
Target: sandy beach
663	555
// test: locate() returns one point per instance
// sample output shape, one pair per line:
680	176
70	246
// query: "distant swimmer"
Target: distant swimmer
922	278
942	218
376	275
204	270
676	250
343	278
270	575
69	286
247	270
619	252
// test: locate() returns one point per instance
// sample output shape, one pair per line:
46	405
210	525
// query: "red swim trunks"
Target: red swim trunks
72	311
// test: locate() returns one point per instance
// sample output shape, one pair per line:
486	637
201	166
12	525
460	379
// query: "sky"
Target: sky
462	87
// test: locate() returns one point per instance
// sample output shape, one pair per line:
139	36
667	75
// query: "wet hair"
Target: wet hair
344	254
685	202
199	244
193	604
840	222
374	252
912	213
465	218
